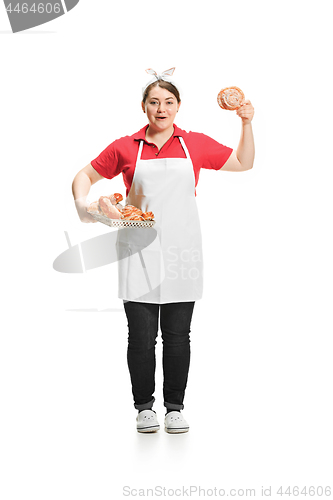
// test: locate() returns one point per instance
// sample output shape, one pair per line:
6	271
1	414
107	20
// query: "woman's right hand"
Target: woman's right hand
81	187
81	207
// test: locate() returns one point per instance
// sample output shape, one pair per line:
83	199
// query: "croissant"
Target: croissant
94	208
108	209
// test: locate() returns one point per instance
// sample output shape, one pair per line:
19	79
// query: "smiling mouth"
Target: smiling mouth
160	117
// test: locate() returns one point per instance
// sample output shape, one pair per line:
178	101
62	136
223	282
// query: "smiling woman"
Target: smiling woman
160	165
161	107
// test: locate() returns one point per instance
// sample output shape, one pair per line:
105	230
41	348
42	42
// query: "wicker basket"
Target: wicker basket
122	223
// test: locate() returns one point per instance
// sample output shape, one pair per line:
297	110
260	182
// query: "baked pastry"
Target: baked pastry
111	208
94	208
129	211
148	216
230	98
115	198
108	209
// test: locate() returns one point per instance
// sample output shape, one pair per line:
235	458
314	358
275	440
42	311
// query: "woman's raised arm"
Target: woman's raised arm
244	157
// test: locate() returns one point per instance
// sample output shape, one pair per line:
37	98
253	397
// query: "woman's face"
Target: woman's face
161	107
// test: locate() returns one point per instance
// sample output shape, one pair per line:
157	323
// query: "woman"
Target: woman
160	165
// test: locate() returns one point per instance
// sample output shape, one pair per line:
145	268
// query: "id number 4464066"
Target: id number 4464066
311	491
36	8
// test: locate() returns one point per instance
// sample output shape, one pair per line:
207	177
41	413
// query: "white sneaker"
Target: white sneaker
175	423
147	421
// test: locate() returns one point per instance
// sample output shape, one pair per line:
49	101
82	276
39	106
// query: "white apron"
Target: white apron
170	268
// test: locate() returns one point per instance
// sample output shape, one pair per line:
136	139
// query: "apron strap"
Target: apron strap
140	151
182	142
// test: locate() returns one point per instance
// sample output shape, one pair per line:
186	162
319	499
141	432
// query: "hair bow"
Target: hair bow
166	73
163	76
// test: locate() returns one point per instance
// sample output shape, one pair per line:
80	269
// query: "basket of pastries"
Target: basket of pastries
110	211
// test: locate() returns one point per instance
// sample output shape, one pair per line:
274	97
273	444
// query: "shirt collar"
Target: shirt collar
140	136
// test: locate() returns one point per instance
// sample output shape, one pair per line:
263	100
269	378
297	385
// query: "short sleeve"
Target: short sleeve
107	164
214	154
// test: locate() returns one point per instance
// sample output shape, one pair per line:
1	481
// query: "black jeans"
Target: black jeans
175	321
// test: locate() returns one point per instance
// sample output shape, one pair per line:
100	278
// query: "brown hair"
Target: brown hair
164	85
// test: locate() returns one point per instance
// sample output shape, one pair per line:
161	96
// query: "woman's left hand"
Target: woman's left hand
246	112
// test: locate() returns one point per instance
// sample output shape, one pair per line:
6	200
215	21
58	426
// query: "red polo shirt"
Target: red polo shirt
120	156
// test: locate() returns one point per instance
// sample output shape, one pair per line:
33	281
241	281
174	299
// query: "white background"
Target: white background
259	397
